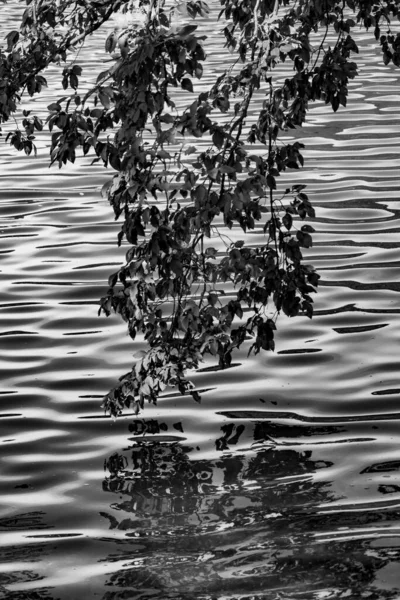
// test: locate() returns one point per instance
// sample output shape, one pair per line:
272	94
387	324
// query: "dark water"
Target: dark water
285	482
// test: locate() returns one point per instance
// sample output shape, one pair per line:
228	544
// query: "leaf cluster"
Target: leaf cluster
192	169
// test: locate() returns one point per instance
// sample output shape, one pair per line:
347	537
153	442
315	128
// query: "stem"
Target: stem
34	16
257	6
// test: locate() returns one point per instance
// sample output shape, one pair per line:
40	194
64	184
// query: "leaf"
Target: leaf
196	396
239	311
123	45
305	239
186	30
104	99
271	183
227	169
303	197
313	278
177	267
73	81
38	123
308	229
287	220
213	173
112	280
96	113
298	188
335	103
186	84
132	330
308	308
12	38
213	346
54	106
198	71
111	43
163	154
218	139
310	211
200	193
102	75
105	188
115	161
212	299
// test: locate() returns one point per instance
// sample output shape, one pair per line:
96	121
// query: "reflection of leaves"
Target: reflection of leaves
206	522
23	522
231	436
150	426
389	489
265	430
156	471
111	518
385	467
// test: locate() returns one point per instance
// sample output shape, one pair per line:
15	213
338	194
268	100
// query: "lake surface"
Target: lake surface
285	482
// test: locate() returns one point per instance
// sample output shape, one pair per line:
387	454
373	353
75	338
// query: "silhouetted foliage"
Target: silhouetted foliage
184	176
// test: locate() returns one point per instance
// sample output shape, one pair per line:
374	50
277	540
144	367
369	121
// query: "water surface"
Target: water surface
285	481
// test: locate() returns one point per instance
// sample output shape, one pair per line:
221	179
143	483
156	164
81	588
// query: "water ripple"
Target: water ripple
285	480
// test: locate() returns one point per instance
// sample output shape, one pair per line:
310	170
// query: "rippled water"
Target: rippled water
285	481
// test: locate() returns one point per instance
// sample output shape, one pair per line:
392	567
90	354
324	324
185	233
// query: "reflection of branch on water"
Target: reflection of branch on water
239	525
163	487
231	436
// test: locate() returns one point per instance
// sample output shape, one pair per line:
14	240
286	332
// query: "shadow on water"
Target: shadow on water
243	525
